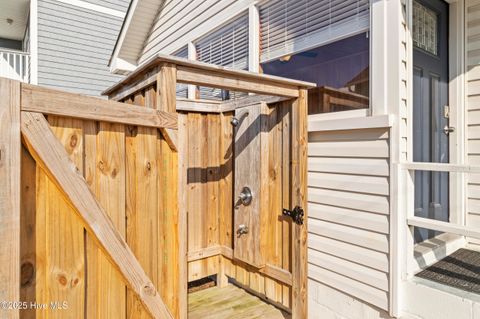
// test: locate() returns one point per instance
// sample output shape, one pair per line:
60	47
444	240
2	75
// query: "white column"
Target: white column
33	41
378	56
253	39
192	55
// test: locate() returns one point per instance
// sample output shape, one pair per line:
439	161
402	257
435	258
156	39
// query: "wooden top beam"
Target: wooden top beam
211	70
55	102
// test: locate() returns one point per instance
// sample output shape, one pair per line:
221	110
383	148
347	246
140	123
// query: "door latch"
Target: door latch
448	129
296	214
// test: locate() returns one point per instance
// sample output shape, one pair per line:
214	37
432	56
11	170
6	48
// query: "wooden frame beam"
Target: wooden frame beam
199	106
50	154
55	102
299	198
271	271
195	76
228	74
251	100
10	148
166	99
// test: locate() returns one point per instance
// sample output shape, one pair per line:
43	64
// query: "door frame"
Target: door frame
457	150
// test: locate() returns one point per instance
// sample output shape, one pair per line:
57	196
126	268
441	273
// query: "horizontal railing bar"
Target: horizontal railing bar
49	101
444	227
9	51
190	75
251	100
441	167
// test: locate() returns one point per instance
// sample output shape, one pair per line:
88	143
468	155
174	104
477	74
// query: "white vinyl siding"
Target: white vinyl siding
183	21
74	46
290	26
226	46
472	21
120	5
349	212
182	89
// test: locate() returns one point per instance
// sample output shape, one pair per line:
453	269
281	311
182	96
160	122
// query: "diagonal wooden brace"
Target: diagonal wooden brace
50	154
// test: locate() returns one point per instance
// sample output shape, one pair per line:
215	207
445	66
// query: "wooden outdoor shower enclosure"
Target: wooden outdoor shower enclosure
113	206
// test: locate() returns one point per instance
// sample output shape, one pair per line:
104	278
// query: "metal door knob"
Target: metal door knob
448	129
246	196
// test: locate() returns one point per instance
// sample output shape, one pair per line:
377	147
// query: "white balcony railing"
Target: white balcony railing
15	65
441	226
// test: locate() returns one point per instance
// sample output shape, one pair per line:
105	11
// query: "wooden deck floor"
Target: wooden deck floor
229	302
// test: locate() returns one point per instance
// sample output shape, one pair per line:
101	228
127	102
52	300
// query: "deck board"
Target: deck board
230	302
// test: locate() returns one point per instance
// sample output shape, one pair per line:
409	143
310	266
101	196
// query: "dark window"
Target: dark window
340	70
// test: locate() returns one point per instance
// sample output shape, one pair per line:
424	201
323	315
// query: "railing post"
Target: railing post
174	290
299	198
10	147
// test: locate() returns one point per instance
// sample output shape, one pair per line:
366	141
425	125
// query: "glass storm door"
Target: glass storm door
430	110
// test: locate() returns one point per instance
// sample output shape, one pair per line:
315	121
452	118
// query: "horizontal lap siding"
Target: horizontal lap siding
75	44
182	21
473	113
349	210
121	5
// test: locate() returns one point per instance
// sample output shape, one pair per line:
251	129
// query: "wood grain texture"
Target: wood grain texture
173	255
110	192
251	170
143	218
10	150
28	238
55	102
211	70
242	84
65	271
166	99
299	197
230	302
53	158
275	279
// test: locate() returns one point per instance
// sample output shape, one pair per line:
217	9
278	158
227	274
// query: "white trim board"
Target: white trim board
354	123
94	7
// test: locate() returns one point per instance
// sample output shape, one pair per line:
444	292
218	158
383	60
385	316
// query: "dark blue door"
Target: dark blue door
430	109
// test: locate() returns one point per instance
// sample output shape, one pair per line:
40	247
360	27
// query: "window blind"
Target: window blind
291	26
182	89
226	46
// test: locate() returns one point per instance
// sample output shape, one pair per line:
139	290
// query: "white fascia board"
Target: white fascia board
120	66
123	33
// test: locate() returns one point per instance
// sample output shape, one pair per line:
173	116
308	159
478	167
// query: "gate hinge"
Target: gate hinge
296	214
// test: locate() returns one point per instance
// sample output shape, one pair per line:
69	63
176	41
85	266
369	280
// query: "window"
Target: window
340	70
182	89
425	28
227	46
324	42
290	26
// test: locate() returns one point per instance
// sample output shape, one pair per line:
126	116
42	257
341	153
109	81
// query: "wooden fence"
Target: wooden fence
113	207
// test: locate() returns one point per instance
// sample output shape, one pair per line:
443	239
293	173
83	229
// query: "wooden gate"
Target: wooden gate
113	207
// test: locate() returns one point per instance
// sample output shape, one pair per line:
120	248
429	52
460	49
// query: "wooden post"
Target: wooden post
174	291
10	148
299	197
